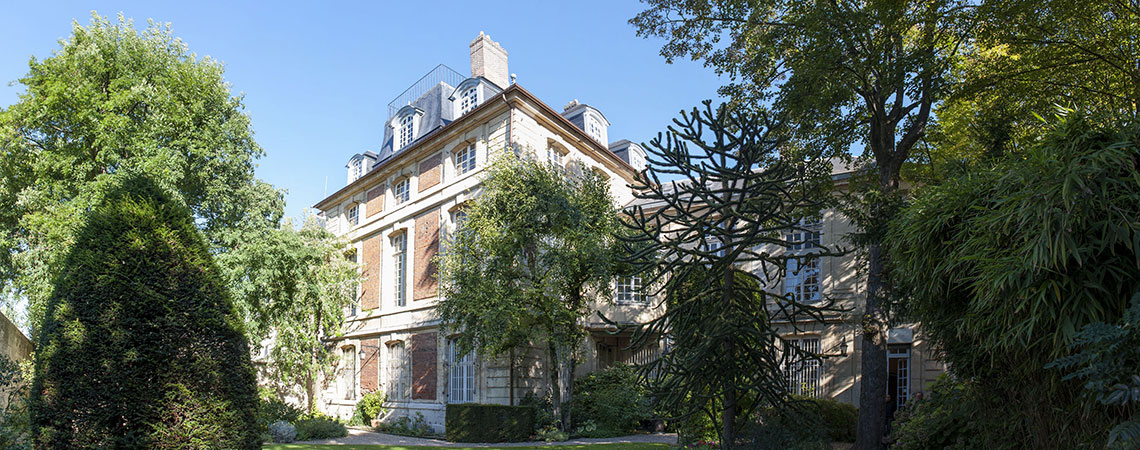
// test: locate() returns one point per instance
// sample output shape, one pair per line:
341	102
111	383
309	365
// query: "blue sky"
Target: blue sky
317	78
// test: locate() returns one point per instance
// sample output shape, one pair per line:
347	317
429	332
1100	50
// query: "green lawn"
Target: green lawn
402	447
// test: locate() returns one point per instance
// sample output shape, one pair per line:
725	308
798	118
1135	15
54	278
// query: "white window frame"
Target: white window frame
805	375
594	129
553	155
402	191
400	265
469	99
357	169
461	375
353	215
399	377
465	159
803	276
348	374
406	129
629	290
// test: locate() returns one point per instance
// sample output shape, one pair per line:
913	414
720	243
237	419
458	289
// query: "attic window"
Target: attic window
594	129
357	169
469	100
406	130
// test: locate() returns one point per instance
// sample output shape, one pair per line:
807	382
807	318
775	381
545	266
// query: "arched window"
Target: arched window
594	129
400	263
803	278
469	99
407	130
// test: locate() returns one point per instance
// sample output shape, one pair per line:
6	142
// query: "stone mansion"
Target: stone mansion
401	201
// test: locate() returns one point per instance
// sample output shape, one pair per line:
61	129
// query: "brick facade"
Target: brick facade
427	246
375	201
370	365
370	288
424	366
430	172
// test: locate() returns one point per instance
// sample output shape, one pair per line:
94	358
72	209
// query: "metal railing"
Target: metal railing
440	74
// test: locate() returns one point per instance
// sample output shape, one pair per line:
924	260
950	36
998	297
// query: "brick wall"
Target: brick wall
430	172
370	289
375	201
427	246
370	365
424	366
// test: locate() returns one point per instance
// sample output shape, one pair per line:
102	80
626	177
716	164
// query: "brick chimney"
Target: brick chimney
489	60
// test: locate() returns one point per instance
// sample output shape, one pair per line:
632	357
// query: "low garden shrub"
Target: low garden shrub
951	417
282	432
406	426
612	400
271	409
319	426
543	409
839	418
472	422
368	408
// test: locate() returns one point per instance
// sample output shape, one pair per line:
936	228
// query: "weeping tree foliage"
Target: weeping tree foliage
113	99
142	346
1003	265
711	246
295	285
535	248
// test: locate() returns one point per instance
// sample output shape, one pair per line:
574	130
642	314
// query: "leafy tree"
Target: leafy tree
534	248
295	284
113	100
1003	265
844	74
712	243
1026	57
142	346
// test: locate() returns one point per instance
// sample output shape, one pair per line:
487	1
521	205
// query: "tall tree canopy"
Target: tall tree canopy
113	100
142	346
711	243
843	74
526	263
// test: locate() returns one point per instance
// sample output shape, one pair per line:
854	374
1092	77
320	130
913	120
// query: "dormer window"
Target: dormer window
357	169
407	129
594	129
469	100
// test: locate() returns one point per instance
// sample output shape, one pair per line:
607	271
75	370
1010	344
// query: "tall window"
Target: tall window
400	191
399	377
357	169
348	372
594	129
804	372
400	254
406	134
465	159
354	258
629	290
461	380
803	278
353	215
459	218
469	100
553	155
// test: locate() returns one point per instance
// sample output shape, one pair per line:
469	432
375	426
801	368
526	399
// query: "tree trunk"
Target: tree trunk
565	371
873	389
511	375
555	392
728	415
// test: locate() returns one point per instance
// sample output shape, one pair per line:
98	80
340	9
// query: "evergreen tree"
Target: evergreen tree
142	346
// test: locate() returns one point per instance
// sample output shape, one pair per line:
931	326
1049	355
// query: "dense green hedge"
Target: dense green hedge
472	422
141	346
839	418
609	403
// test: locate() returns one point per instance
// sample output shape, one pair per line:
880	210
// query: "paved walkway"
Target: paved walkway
363	437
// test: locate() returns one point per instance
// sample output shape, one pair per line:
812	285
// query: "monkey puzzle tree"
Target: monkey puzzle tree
711	244
141	346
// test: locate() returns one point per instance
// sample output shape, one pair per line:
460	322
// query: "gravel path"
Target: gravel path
363	437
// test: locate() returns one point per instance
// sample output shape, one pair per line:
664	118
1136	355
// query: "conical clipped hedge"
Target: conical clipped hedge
141	346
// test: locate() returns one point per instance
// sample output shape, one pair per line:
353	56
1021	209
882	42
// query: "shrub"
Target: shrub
368	408
840	419
406	426
282	432
319	426
951	417
471	422
612	399
543	409
551	433
141	346
272	409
